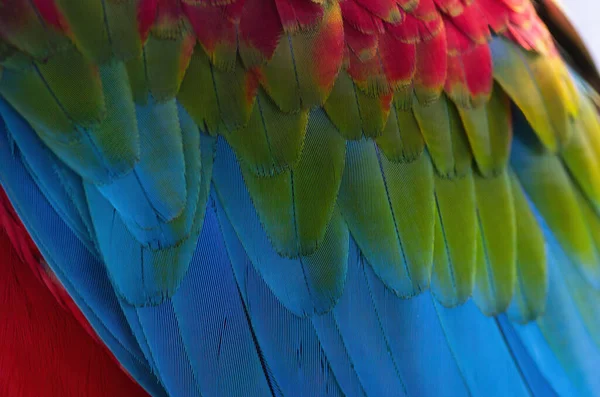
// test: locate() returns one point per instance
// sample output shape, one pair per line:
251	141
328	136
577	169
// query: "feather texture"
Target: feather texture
242	195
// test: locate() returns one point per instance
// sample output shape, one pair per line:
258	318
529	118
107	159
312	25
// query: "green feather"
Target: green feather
167	54
235	95
582	163
531	287
539	87
120	152
136	71
495	272
121	20
489	131
374	113
590	123
326	268
27	36
543	176
389	210
410	190
80	132
83	110
296	225
342	108
41	109
271	141
401	139
585	295
455	241
86	21
445	137
197	93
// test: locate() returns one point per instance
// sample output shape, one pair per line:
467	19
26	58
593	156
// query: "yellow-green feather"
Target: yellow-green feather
495	272
445	137
86	22
342	108
166	55
197	92
290	75
531	286
489	130
271	141
294	213
536	85
543	176
455	240
401	140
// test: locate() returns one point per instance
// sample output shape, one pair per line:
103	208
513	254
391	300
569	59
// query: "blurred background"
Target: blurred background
585	15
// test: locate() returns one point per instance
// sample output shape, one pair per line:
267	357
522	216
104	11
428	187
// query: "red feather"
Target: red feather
298	14
260	26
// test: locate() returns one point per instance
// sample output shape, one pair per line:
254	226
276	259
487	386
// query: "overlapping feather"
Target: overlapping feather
389	121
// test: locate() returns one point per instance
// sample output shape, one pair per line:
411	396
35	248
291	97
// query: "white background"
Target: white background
585	15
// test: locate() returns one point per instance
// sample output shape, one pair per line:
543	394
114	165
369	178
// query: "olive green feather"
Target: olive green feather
495	272
389	210
197	93
342	108
489	131
542	175
531	286
294	213
540	87
272	140
455	240
401	140
445	137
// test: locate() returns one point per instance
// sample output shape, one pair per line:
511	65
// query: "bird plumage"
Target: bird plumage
287	197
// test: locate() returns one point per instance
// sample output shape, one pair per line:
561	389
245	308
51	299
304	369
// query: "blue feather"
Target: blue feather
292	280
288	343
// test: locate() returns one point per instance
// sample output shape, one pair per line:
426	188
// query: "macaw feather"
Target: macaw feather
455	240
305	283
531	285
489	131
87	27
166	59
542	174
445	137
342	108
401	140
296	226
538	85
387	205
47	171
379	127
495	273
24	28
272	141
582	164
197	93
314	57
157	259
